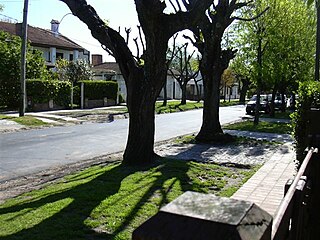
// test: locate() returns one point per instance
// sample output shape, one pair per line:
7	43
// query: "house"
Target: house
111	71
51	43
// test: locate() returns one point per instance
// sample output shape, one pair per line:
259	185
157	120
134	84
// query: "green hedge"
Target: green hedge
41	91
99	89
308	97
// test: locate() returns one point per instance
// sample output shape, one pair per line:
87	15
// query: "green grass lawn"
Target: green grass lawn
175	106
109	202
25	120
269	127
278	115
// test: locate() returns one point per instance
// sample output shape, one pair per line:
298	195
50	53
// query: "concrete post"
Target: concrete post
205	216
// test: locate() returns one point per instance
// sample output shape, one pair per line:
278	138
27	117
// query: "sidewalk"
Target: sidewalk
266	186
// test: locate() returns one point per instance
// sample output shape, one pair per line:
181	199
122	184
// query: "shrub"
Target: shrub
10	52
308	97
99	89
42	91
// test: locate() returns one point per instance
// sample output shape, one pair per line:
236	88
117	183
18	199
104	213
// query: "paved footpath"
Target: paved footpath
266	186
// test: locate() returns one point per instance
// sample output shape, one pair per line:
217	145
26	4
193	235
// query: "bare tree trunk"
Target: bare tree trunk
272	106
211	127
139	149
243	90
184	93
259	79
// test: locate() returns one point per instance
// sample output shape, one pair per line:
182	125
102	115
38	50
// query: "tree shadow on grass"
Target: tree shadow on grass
68	209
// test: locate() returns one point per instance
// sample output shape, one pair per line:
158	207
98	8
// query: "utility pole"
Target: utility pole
23	95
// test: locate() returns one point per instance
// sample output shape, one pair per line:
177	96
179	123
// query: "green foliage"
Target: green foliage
73	71
25	120
109	202
287	33
10	49
308	96
41	91
99	89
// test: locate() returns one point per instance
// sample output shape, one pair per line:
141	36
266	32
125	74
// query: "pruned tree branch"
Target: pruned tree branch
128	31
141	39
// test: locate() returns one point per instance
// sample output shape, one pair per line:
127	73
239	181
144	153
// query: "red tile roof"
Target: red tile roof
40	37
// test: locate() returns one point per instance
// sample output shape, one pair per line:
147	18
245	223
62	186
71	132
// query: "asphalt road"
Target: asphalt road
26	152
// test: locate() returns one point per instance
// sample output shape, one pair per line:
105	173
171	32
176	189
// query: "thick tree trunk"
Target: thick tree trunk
211	127
257	108
244	90
272	106
139	149
183	93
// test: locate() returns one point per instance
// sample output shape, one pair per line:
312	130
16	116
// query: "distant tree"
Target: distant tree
73	71
275	51
10	69
228	79
143	82
215	59
182	70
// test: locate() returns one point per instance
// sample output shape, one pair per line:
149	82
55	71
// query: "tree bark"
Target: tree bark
211	126
139	149
244	90
272	106
184	93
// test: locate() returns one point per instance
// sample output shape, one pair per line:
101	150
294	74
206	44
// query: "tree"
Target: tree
275	51
143	82
182	71
10	69
208	38
73	71
228	79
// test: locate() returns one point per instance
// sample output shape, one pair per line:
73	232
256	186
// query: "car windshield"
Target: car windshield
263	97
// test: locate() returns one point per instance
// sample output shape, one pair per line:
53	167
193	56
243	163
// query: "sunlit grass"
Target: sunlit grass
25	120
109	202
269	127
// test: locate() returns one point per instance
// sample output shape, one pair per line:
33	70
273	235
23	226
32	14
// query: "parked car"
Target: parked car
265	100
264	103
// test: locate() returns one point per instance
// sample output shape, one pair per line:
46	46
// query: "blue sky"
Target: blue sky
40	13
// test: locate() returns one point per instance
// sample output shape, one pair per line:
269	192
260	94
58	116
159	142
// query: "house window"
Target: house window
49	56
59	56
71	57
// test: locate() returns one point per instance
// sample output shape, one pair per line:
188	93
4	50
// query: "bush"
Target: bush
41	91
10	53
100	89
308	97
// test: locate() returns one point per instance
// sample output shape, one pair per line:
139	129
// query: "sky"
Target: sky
40	13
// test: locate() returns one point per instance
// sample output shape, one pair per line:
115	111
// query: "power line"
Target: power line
14	19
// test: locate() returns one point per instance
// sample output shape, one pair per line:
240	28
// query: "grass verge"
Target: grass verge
109	202
269	127
278	115
175	106
25	120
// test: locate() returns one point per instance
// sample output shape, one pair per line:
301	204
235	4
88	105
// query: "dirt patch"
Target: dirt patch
20	185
